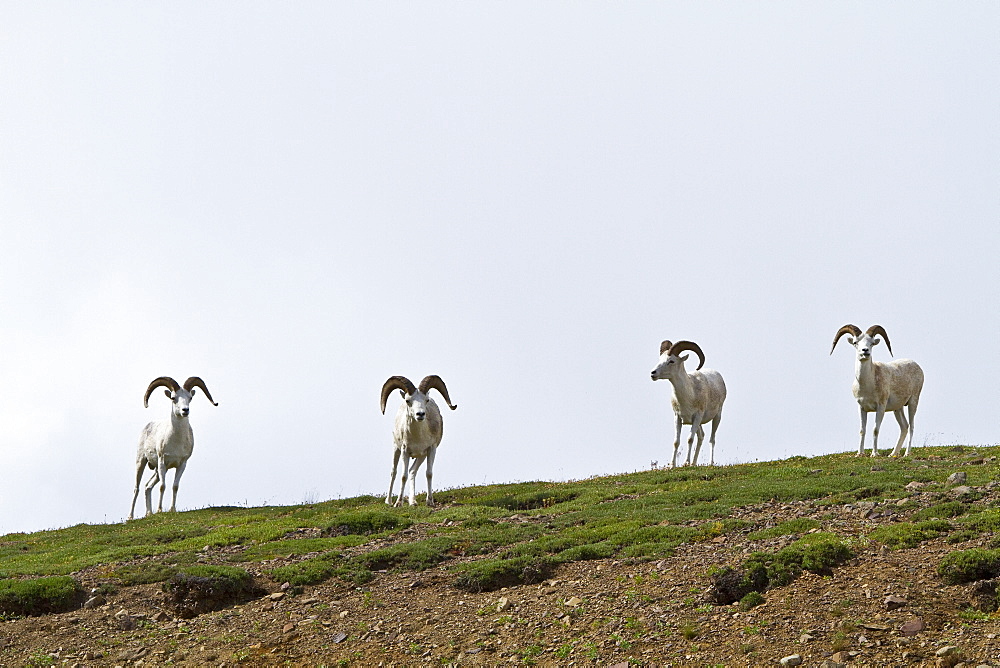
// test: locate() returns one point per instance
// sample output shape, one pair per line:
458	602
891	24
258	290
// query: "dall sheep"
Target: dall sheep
417	431
697	398
882	386
167	444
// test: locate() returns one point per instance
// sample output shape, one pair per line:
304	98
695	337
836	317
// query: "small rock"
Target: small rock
160	616
277	596
792	660
960	490
285	586
912	627
343	613
503	604
894	602
957	478
829	663
574	602
840	657
805	637
339	638
947	650
288	628
94	602
915	485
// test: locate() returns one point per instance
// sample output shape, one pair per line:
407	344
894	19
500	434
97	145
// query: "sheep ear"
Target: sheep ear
876	341
685	358
402	394
167	392
192	392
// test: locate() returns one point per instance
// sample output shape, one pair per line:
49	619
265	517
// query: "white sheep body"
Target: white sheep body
166	444
416	434
697	397
881	387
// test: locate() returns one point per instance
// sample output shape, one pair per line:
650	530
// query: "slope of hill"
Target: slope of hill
835	559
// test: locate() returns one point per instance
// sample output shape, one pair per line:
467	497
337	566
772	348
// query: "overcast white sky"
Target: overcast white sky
297	200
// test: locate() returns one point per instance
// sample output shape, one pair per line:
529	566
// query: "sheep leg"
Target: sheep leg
901	419
864	425
162	476
430	472
677	442
402	480
695	426
697	448
417	461
879	414
177	483
150	484
140	468
711	439
392	478
912	409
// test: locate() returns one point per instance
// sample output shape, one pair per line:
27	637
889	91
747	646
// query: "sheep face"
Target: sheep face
669	367
416	405
864	344
181	401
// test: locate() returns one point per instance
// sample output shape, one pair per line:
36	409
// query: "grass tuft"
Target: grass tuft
39	596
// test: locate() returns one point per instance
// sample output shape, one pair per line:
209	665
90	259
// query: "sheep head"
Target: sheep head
415	397
671	362
863	342
179	395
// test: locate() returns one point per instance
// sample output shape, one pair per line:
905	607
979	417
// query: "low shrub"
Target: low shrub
751	600
39	596
941	511
496	573
194	590
322	568
366	522
144	573
969	566
909	534
817	553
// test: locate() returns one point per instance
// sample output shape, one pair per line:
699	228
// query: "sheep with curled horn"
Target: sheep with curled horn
697	397
417	432
882	386
167	444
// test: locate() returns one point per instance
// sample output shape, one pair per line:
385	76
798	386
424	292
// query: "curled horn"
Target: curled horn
681	346
162	381
435	383
195	381
878	330
665	346
853	330
396	383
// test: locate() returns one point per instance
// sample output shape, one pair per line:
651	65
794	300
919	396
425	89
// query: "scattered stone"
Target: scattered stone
915	485
961	490
947	650
912	627
829	663
574	602
893	602
957	478
792	660
160	616
503	604
339	638
975	462
343	613
277	596
805	637
840	657
94	602
285	586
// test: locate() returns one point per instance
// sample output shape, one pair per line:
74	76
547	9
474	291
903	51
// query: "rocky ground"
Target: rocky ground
607	613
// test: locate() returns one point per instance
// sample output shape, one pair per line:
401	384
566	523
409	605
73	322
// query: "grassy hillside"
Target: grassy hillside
640	515
751	529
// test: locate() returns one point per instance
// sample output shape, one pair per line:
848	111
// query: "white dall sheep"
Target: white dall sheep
167	444
697	398
417	431
882	386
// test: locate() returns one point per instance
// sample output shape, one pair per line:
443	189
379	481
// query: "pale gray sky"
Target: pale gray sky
296	201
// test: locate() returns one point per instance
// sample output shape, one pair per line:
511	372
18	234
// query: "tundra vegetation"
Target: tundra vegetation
492	536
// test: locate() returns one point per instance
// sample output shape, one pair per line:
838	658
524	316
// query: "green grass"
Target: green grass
38	596
637	516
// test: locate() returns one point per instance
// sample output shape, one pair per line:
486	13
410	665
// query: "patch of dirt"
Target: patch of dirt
607	612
